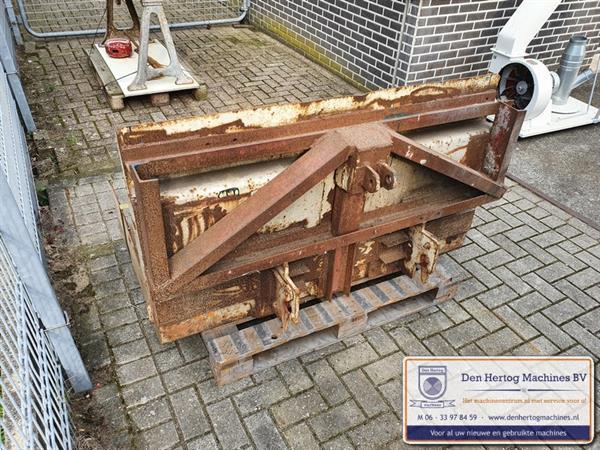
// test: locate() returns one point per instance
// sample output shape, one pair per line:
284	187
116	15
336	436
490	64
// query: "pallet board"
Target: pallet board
236	352
115	75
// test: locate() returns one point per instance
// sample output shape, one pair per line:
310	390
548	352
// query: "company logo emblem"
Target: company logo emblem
432	381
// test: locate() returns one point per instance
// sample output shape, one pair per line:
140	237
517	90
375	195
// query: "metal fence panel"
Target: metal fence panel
9	61
55	18
36	346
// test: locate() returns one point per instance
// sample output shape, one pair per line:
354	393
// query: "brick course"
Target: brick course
441	39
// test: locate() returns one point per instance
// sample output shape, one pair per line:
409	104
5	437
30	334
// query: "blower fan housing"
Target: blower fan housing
528	83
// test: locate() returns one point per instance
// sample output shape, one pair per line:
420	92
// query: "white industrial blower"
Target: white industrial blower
543	94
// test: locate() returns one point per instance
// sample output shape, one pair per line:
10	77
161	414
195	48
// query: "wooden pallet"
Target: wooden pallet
236	351
114	93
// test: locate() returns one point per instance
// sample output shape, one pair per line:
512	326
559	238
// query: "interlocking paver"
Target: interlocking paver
529	273
336	420
227	425
263	431
364	393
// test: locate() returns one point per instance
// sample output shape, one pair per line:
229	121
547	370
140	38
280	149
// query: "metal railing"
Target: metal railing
63	18
38	356
35	411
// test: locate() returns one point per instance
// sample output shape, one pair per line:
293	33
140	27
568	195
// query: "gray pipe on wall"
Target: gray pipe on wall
570	63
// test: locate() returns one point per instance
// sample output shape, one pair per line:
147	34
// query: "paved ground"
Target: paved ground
565	165
529	270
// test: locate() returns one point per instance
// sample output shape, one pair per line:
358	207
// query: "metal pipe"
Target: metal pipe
583	77
91	32
570	63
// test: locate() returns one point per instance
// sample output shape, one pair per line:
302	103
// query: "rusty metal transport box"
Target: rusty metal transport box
251	214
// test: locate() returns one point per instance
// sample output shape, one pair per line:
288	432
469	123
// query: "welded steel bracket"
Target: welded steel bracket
287	296
425	249
145	72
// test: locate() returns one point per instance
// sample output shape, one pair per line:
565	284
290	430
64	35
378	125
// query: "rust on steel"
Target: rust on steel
249	214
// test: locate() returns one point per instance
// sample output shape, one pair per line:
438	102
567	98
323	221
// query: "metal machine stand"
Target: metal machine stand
145	71
152	70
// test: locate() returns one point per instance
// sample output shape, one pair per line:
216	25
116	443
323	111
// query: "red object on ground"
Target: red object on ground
118	48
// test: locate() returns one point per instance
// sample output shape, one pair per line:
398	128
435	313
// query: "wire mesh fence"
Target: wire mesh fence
71	16
36	347
34	410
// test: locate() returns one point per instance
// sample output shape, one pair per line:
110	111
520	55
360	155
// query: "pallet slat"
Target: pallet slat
235	354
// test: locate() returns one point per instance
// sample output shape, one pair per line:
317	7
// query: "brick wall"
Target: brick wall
441	39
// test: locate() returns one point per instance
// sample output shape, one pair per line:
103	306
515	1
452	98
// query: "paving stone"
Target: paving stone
467	252
385	369
210	392
150	414
380	341
261	396
124	334
505	243
539	346
109	403
353	357
591	321
537	252
142	392
492	228
393	393
301	438
168	360
263	431
294	376
207	442
189	414
336	420
479	238
364	393
544	288
298	408
483	315
585	278
561	339
566	257
227	425
563	311
529	304
464	333
499	342
437	345
554	271
548	238
469	288
520	233
515	322
583	337
431	324
524	265
136	371
511	280
131	351
328	382
187	375
454	311
497	296
377	432
162	437
409	344
339	443
482	274
495	258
